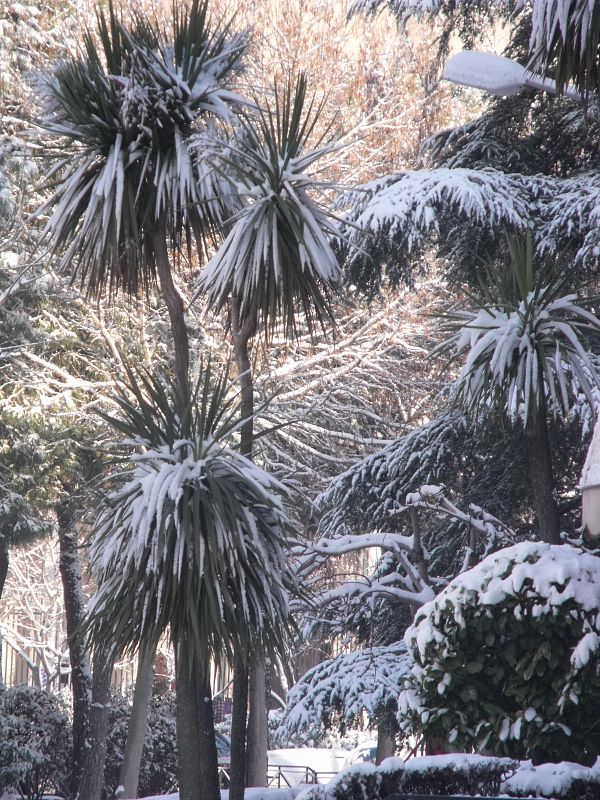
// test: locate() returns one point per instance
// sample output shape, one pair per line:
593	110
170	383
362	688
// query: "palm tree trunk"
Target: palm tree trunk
237	772
129	774
92	778
196	747
173	301
242	332
539	456
257	724
70	573
4	562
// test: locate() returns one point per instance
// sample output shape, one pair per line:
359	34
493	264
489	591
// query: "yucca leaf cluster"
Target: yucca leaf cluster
190	535
122	113
528	339
277	255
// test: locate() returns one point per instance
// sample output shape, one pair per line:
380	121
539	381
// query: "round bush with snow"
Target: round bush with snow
507	657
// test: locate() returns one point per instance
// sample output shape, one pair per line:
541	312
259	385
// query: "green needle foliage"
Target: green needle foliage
123	113
277	256
191	534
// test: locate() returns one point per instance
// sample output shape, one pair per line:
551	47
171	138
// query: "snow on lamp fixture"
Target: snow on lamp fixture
496	74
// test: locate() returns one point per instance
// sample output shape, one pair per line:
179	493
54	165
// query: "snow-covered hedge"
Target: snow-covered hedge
507	657
442	775
462	774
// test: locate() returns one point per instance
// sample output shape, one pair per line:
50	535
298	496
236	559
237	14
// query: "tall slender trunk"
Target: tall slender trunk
196	747
92	778
539	456
4	561
70	573
242	332
237	772
129	774
257	723
173	301
386	743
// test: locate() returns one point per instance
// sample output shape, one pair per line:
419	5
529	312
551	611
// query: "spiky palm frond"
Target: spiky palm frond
527	337
565	38
123	114
277	256
191	535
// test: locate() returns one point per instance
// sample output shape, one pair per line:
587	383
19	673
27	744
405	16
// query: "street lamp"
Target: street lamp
496	74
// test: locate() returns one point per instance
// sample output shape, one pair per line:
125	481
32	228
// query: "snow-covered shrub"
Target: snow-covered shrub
439	775
34	742
506	657
159	757
565	781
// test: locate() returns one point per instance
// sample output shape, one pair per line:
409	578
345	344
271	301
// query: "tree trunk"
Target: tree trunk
196	747
92	778
174	303
237	771
129	774
541	475
257	724
70	573
4	561
242	332
386	743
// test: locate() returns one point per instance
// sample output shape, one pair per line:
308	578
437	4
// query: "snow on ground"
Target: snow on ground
249	794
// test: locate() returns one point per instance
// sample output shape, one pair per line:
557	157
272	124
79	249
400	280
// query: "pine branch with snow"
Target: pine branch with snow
352	690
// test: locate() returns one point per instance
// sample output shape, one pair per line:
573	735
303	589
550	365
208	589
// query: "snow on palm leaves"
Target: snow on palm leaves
566	36
190	534
123	114
277	254
528	337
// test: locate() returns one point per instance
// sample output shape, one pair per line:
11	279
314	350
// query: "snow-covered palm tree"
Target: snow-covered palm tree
275	265
565	38
527	347
127	183
191	537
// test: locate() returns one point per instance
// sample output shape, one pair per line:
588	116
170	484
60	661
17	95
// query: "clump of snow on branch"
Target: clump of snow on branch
405	10
408	207
353	689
